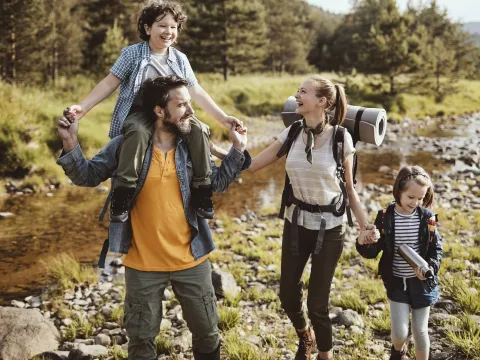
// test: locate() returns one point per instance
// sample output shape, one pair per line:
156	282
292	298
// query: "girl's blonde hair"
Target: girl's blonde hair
336	108
420	176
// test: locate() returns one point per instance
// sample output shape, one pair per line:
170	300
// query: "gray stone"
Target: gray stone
54	355
165	325
224	283
4	215
18	304
350	317
25	333
102	339
441	317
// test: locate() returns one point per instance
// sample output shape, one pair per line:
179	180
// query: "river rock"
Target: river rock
84	352
350	317
224	283
54	355
25	333
4	215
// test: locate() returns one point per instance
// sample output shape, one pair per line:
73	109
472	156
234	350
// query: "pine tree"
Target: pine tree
226	36
290	34
385	41
113	44
98	16
447	52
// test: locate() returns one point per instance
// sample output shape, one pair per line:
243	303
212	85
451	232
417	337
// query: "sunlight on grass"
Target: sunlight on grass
64	270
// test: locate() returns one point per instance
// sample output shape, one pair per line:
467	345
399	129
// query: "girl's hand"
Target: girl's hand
368	236
419	273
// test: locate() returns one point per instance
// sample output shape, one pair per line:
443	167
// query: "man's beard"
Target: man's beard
178	127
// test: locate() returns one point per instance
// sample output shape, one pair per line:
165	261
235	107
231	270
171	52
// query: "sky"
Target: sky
458	10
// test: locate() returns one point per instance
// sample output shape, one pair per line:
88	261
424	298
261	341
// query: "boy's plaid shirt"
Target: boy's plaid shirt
129	69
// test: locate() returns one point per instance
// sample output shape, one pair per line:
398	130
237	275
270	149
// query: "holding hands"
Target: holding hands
369	236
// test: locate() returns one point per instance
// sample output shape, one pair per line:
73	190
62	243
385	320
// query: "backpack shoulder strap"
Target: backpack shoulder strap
284	150
384	212
338	145
292	135
432	222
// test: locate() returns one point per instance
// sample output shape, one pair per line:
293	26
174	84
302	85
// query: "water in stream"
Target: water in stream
68	222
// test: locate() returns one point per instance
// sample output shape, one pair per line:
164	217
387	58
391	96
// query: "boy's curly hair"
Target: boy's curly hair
156	10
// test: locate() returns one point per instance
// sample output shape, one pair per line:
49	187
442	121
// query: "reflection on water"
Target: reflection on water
68	222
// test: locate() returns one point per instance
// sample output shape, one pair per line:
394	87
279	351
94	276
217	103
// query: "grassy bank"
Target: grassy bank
28	140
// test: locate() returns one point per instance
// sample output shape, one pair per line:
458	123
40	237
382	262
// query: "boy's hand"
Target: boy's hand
230	121
74	112
238	139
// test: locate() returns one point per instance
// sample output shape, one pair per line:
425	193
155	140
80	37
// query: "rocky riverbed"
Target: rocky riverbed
87	321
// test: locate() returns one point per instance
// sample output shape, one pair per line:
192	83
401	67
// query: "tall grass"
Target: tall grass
66	271
29	142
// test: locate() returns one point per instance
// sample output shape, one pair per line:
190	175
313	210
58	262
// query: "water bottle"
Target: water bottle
415	260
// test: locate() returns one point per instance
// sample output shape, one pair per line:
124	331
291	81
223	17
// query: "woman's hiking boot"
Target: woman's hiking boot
306	344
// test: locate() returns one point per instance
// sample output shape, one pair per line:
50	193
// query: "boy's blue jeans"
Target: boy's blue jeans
143	308
137	130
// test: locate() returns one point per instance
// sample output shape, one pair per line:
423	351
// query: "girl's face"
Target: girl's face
163	33
307	101
411	197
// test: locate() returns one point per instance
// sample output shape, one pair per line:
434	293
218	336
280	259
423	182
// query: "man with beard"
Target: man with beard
164	241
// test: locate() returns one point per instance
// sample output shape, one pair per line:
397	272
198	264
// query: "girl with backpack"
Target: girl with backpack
408	221
318	190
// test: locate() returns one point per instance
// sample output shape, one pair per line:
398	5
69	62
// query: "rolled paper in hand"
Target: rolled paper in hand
368	125
415	260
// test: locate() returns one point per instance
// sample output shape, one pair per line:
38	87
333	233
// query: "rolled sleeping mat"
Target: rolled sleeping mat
368	125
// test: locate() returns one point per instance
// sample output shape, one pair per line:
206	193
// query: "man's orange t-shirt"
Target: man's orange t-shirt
161	234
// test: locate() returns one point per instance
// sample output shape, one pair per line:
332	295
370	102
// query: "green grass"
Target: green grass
229	317
117	353
66	271
350	299
80	328
383	322
163	344
29	142
263	296
459	289
117	315
236	348
466	341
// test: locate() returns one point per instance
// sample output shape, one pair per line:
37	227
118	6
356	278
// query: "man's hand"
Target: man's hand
239	140
74	112
68	133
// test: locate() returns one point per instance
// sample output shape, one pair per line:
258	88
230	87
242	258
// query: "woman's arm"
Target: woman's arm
266	157
355	203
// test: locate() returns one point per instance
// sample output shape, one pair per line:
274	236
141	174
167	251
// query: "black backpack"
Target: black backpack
341	202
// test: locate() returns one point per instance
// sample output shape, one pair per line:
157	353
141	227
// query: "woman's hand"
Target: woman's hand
369	235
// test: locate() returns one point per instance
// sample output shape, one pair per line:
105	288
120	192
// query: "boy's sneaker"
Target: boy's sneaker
202	201
398	354
121	198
